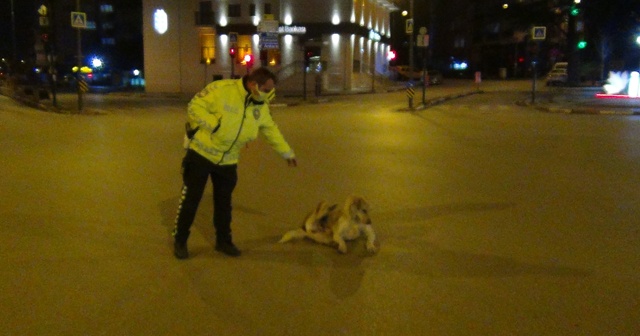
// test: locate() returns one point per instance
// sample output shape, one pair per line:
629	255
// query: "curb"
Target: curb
578	110
440	100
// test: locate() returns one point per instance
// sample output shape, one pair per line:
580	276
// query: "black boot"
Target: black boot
180	250
227	247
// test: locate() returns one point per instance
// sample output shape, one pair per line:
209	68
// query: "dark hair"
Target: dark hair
261	76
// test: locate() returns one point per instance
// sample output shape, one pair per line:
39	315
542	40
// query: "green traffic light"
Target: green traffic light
582	44
575	11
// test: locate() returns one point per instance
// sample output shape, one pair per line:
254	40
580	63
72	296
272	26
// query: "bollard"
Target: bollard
410	93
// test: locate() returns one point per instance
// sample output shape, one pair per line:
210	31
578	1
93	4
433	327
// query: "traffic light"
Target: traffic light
248	61
582	44
307	58
391	55
44	37
575	10
232	51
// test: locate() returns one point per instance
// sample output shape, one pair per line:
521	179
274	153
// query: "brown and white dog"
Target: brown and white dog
331	225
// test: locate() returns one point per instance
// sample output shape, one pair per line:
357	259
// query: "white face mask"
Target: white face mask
265	96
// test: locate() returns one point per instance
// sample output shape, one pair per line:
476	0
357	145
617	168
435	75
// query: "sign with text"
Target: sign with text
269	41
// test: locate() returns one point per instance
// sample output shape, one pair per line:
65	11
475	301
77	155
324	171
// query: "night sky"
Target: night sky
25	15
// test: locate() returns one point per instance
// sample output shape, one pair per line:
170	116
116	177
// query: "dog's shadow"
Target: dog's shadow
346	270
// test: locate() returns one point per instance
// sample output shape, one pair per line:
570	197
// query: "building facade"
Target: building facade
336	45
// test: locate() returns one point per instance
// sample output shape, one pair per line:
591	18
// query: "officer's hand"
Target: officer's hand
292	162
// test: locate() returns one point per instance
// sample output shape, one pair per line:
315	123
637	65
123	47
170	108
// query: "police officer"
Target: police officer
223	117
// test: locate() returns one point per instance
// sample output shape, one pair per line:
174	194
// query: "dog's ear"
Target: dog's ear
358	201
321	207
352	206
357	204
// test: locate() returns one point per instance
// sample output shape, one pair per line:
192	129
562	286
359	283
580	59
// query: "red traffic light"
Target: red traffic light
391	55
248	58
232	51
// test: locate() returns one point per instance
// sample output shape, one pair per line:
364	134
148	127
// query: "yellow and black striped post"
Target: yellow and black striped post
82	86
410	93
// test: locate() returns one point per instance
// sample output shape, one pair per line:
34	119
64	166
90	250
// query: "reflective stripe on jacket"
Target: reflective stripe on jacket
227	118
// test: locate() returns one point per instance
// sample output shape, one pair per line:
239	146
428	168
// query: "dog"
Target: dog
331	225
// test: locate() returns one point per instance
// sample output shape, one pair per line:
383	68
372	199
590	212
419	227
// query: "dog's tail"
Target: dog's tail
293	235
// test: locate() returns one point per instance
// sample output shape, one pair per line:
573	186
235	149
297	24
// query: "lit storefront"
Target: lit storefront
339	43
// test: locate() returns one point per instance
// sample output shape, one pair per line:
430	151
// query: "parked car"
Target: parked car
560	66
557	77
405	74
435	76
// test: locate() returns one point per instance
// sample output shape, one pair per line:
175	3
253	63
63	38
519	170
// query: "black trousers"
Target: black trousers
196	172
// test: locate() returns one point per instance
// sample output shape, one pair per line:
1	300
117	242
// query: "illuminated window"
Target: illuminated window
207	47
244	47
270	57
106	9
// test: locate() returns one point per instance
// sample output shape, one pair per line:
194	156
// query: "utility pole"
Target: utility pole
79	78
51	54
411	49
13	33
411	36
573	71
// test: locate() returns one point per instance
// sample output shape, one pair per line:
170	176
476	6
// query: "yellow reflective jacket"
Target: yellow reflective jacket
227	118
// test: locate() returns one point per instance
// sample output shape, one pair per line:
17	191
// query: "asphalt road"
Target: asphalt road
492	219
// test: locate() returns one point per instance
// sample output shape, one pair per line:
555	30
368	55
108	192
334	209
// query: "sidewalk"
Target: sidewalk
581	100
435	97
568	100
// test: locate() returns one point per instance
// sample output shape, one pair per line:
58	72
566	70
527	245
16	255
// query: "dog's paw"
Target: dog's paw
285	238
371	248
342	248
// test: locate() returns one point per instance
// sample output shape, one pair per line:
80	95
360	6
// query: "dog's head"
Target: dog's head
316	221
358	209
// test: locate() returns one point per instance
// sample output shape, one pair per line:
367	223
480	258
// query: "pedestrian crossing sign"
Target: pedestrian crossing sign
539	33
408	27
78	20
